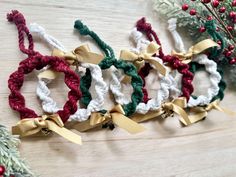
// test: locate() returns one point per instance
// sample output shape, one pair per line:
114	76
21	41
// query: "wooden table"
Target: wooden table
205	149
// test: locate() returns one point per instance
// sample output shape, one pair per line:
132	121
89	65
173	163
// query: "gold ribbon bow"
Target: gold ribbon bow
80	54
167	109
139	59
201	112
116	115
45	124
194	50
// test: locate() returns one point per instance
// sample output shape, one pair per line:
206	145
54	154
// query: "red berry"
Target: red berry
231	47
192	12
232	14
202	29
228	53
215	3
217	29
234	3
209	18
222	9
232	61
2	170
230	28
185	7
219	42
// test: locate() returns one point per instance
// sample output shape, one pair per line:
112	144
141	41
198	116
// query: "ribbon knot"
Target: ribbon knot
177	106
45	124
80	54
145	56
167	109
194	50
116	116
75	57
39	123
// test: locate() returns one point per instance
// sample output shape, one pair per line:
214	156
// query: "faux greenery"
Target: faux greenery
9	156
172	9
190	25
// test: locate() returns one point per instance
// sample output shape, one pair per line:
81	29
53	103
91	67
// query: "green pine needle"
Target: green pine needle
10	157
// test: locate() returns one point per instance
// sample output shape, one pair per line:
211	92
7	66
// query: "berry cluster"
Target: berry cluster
225	17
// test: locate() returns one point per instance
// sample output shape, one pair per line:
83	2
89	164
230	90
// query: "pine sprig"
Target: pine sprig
10	157
190	24
172	9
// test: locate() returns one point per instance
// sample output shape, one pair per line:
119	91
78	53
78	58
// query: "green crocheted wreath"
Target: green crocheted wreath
110	60
194	67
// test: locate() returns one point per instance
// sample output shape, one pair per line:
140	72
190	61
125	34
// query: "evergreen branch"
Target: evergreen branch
10	157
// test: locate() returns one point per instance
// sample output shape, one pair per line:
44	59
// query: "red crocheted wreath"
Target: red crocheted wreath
173	61
37	61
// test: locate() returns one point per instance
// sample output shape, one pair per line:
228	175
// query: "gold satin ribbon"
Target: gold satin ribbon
201	112
167	109
116	115
194	50
139	59
80	54
45	124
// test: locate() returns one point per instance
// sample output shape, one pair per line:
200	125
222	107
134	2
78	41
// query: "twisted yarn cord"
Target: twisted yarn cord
116	87
86	98
202	59
194	67
173	61
20	23
214	76
144	71
222	86
115	84
179	45
168	86
211	29
210	26
109	60
39	31
100	86
37	61
147	28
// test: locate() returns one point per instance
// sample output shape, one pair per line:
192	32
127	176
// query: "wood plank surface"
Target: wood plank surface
166	149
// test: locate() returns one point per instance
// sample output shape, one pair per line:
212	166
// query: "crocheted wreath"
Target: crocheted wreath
32	123
43	92
172	61
110	60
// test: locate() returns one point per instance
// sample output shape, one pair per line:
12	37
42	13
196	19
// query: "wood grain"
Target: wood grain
166	149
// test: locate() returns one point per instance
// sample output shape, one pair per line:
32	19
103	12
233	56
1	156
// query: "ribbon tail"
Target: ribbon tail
144	117
161	68
126	123
227	111
197	117
203	45
65	133
183	115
